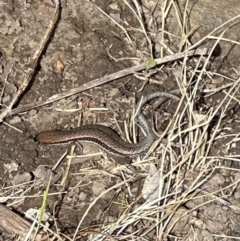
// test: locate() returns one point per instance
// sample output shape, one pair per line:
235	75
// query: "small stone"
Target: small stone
15	120
82	196
22	178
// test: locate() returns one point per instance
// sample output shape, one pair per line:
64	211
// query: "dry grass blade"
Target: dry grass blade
214	31
138	15
93	203
115	22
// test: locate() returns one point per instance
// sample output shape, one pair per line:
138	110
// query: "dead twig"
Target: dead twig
106	79
12	224
217	89
33	64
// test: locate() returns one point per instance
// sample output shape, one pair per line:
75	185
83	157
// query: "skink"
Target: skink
105	137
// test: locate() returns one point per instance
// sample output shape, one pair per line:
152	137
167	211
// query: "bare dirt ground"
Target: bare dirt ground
187	187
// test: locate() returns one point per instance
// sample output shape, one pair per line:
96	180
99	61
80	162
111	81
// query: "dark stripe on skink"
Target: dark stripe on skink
105	137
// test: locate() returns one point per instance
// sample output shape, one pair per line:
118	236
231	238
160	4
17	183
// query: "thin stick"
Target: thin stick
106	79
33	64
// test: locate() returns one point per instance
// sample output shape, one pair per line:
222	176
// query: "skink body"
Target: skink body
104	137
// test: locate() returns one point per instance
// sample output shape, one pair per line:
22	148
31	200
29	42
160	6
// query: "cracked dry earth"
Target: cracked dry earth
87	45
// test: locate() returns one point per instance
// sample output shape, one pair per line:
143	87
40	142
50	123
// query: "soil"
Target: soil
87	45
